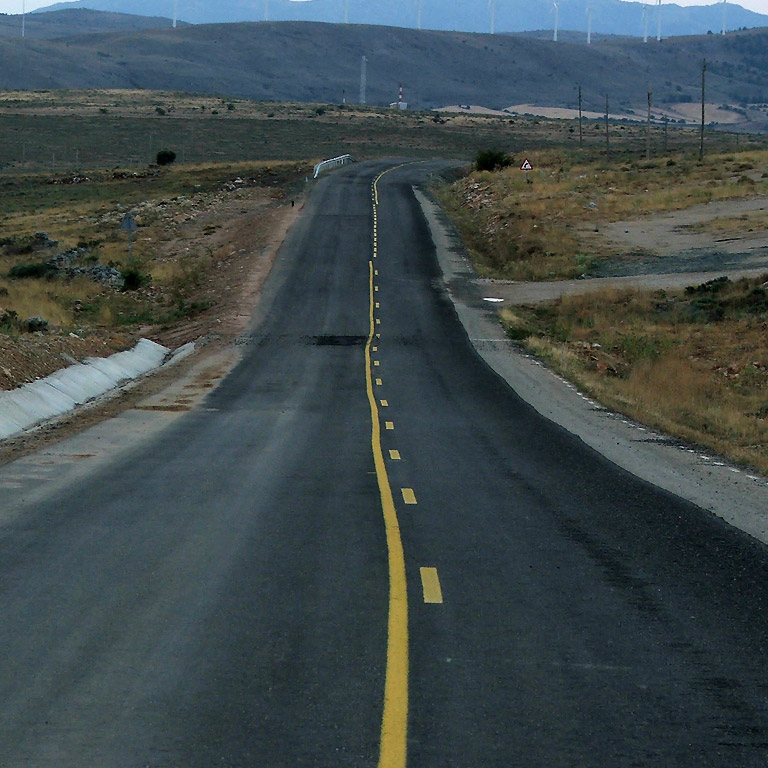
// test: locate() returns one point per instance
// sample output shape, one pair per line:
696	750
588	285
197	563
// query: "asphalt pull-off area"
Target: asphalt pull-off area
363	548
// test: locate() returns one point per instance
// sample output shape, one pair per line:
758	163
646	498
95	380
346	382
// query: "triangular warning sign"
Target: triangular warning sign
526	166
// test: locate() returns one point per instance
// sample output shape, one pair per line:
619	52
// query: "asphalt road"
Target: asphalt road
365	549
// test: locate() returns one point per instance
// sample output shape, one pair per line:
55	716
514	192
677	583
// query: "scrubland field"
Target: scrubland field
74	163
692	362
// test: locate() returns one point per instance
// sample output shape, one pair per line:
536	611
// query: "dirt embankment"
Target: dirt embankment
242	229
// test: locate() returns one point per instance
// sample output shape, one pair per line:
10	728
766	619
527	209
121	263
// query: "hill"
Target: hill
614	17
290	61
76	21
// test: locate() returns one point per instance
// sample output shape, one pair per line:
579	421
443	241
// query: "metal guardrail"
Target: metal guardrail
334	162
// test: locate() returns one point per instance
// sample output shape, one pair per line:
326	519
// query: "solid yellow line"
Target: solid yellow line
430	585
409	497
394	721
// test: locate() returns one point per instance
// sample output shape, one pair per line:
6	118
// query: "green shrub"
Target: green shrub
165	157
40	269
492	160
134	278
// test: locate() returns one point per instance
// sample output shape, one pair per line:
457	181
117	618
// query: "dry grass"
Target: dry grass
540	230
166	204
732	225
691	364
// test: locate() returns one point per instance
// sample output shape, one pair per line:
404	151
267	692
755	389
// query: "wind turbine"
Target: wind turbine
23	17
724	7
555	6
658	21
175	12
346	11
645	22
492	9
589	24
418	16
266	10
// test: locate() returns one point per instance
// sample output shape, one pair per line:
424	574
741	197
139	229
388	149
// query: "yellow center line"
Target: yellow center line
385	404
394	455
378	382
394	721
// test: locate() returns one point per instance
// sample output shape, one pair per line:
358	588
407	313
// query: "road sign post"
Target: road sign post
129	225
527	167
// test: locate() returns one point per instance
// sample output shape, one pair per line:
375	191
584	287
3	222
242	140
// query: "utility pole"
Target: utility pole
581	123
607	135
648	126
703	96
363	78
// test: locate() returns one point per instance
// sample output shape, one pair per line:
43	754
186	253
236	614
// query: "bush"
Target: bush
39	269
492	160
133	278
165	157
9	321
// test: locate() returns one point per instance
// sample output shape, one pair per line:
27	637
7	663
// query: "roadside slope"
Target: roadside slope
737	496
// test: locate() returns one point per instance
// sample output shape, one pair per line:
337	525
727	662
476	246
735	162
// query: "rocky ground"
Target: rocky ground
241	227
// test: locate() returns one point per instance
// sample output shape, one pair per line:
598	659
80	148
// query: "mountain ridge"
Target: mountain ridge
615	17
289	61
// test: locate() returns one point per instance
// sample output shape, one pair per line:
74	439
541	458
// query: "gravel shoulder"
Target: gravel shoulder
737	496
666	251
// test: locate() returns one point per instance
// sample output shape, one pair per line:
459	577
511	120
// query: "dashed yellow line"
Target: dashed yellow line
394	455
409	497
385	404
430	585
378	382
394	721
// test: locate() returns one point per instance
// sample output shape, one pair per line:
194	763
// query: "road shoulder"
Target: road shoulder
737	496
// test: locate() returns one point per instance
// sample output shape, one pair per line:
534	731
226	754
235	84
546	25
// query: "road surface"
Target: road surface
364	549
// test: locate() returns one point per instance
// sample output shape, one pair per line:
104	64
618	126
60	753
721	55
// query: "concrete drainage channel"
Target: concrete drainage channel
69	388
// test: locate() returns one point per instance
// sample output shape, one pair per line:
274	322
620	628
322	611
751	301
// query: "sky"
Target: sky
15	6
